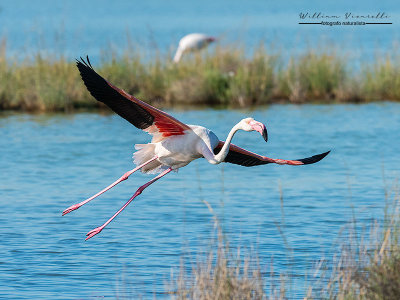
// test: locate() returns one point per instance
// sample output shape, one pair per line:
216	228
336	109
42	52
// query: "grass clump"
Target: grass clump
41	85
382	79
254	81
314	76
222	275
368	265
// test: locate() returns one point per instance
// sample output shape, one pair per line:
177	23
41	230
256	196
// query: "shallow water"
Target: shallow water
48	162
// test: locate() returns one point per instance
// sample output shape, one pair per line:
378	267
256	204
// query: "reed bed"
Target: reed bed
226	76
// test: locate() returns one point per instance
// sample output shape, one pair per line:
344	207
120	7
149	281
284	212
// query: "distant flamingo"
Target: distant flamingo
174	144
192	42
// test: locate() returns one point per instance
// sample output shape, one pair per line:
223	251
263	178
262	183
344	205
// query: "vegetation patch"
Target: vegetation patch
224	76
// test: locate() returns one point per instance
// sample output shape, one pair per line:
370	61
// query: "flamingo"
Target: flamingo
174	144
192	42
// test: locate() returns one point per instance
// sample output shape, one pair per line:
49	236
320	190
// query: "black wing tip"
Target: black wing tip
313	159
84	63
89	76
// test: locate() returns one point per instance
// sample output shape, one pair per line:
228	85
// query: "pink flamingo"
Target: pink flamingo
174	144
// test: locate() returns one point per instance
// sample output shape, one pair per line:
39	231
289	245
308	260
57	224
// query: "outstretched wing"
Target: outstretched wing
240	156
138	113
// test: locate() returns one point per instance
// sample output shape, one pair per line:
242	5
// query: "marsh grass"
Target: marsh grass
227	76
219	274
366	265
314	76
382	78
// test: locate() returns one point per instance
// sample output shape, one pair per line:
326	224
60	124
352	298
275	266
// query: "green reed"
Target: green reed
222	76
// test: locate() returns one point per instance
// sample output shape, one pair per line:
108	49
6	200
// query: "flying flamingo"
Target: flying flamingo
174	144
192	42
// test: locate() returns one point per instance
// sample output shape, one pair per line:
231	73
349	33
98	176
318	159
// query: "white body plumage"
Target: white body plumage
176	151
192	42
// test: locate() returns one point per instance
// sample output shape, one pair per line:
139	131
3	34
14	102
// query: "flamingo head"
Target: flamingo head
249	124
210	39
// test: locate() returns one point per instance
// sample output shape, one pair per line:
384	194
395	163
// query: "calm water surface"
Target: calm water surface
49	162
75	28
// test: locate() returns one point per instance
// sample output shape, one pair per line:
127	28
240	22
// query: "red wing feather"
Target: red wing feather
240	156
139	113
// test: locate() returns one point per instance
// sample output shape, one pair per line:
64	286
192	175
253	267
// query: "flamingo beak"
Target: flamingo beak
260	127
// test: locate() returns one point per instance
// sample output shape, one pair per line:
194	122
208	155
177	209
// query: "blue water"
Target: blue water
48	162
75	28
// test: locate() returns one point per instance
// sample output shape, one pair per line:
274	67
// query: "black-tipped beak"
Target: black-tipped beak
265	133
260	127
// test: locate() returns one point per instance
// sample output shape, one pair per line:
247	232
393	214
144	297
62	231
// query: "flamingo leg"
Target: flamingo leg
97	230
122	178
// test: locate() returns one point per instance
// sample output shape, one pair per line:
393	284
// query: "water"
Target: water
48	162
76	28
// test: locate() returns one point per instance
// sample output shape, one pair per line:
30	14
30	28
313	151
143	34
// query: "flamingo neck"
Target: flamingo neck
178	54
220	157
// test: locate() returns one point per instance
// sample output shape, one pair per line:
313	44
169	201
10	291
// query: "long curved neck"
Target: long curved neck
225	148
178	54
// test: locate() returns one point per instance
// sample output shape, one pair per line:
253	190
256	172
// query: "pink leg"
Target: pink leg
137	193
123	177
